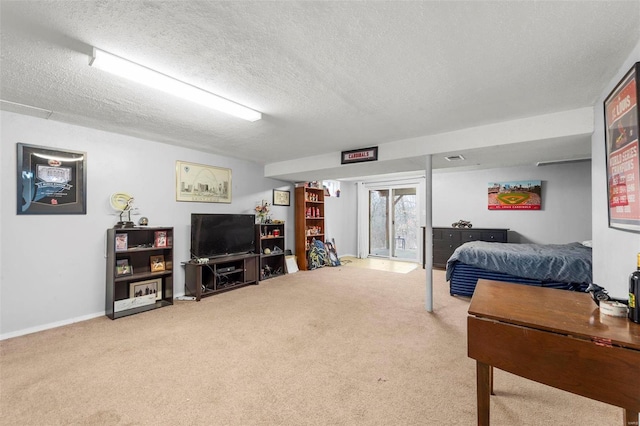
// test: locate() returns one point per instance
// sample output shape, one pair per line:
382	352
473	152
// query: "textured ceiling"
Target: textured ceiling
328	76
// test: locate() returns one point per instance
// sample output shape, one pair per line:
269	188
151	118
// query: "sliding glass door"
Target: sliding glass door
393	223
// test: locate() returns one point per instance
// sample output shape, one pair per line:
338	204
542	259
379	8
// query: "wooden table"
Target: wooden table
555	337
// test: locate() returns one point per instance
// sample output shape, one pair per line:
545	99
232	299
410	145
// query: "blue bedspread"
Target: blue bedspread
570	263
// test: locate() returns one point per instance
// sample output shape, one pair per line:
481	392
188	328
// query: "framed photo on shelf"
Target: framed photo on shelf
122	242
123	268
145	288
281	198
161	239
50	180
202	183
621	117
157	263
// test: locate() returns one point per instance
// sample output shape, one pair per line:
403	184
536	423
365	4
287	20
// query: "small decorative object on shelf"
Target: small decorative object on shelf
121	242
262	212
160	239
123	204
144	221
157	263
634	294
123	268
462	224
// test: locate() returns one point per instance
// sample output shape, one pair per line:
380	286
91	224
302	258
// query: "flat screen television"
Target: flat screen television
217	234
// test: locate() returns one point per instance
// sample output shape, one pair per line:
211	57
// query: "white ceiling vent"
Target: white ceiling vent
454	158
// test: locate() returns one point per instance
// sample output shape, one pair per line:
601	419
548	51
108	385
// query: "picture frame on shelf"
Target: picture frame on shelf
161	239
50	180
122	242
157	263
622	118
202	183
145	288
123	267
281	198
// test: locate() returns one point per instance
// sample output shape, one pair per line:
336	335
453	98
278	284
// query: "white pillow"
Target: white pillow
587	243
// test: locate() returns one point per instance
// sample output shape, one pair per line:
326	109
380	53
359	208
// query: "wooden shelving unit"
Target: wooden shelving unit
309	225
140	285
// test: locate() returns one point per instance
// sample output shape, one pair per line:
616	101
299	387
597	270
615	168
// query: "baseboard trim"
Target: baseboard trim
49	326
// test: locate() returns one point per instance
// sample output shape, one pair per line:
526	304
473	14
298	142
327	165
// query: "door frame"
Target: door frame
363	211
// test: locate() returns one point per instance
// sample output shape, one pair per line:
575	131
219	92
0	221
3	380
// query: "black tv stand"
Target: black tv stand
220	274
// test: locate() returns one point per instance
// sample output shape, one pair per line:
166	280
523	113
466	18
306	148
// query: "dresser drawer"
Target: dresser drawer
450	235
494	236
445	245
469	235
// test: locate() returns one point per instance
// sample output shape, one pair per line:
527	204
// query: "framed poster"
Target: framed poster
202	183
51	181
621	142
515	195
281	198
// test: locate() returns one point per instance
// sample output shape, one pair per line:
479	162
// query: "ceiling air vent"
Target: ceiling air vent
454	158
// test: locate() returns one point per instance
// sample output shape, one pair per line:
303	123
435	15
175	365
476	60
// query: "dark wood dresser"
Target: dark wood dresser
446	240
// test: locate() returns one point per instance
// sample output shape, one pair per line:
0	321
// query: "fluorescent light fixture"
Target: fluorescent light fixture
567	161
148	77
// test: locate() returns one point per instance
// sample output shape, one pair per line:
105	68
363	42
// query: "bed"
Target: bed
562	266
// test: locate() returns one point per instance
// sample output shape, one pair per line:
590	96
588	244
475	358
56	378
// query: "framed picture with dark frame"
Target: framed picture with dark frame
281	198
123	268
621	119
50	180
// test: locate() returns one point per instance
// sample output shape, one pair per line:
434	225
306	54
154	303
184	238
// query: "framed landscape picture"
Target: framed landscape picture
515	195
622	153
202	183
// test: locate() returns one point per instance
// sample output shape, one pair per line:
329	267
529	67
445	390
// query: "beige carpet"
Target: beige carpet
335	346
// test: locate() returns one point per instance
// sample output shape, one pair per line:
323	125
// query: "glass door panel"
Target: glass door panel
379	221
405	224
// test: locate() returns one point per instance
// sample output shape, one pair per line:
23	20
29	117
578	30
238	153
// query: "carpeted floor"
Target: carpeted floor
335	346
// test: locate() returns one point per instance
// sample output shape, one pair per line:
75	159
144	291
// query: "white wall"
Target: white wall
340	222
614	251
52	269
566	202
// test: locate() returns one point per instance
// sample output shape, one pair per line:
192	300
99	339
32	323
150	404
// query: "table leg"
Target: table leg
483	383
629	418
491	380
